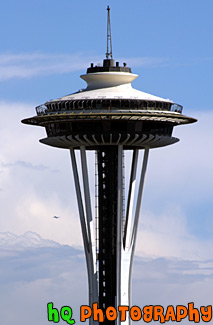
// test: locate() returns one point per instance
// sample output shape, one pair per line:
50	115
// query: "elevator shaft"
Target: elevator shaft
107	199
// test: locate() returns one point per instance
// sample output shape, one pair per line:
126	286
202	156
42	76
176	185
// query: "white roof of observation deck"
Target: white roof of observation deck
110	85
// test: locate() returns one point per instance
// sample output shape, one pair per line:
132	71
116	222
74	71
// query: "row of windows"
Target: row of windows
58	129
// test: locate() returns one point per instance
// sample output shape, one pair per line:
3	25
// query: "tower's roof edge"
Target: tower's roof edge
119	92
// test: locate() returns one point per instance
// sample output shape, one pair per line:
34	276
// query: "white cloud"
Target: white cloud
29	65
178	185
32	196
177	208
168	235
29	239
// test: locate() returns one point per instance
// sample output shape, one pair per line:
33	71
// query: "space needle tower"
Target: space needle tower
109	117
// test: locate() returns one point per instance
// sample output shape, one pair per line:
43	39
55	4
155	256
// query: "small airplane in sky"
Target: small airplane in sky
56	217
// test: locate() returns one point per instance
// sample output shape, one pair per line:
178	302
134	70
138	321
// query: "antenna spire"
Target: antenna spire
109	36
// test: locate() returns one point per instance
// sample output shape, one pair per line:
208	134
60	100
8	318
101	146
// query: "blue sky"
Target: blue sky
174	37
45	46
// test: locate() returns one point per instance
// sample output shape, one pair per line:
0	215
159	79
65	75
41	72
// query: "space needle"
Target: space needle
110	118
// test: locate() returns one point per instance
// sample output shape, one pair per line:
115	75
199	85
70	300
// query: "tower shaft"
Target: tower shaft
109	271
109	117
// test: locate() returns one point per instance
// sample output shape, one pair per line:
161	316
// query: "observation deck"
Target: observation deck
108	112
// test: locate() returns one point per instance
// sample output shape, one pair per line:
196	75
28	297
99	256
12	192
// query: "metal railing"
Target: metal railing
110	105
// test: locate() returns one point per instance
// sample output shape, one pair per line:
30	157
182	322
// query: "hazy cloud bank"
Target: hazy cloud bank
33	274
